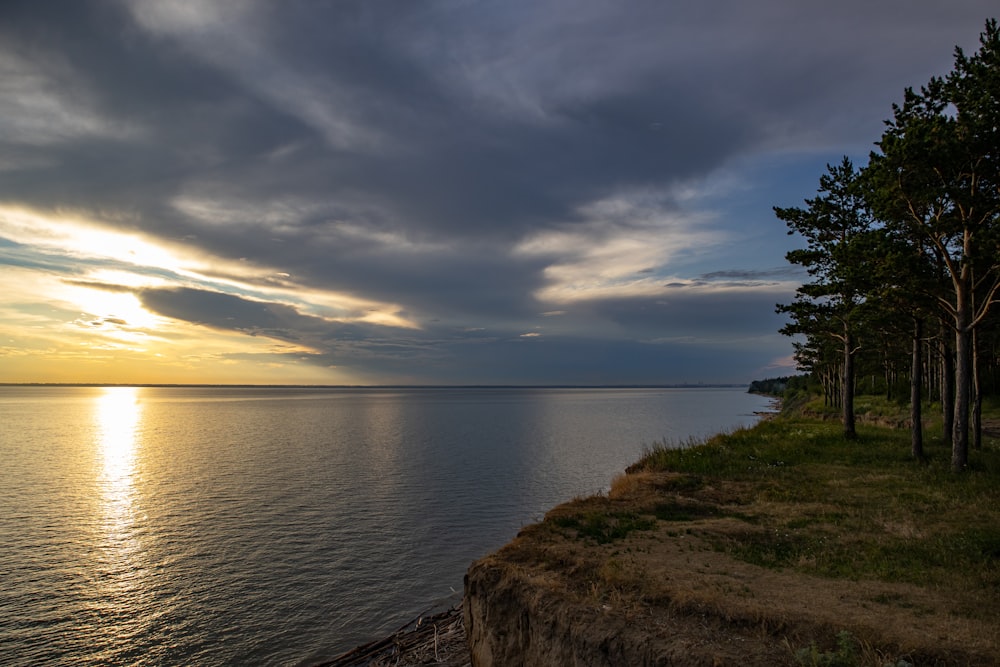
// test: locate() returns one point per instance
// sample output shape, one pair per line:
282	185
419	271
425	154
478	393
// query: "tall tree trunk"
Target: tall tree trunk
947	388
963	381
831	391
977	397
916	380
847	384
930	373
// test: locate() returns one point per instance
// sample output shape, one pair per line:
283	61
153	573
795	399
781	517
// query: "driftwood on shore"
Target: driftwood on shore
438	639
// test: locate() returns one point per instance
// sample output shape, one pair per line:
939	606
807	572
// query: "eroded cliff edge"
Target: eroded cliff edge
637	578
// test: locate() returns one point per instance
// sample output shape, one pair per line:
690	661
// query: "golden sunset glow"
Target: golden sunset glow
117	414
66	233
92	326
121	309
118	420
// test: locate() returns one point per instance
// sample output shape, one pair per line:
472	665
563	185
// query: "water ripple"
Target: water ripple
233	526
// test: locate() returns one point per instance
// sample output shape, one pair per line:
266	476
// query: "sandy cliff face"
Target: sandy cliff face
544	600
513	620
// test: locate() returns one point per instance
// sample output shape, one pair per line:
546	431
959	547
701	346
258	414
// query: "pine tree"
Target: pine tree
834	225
937	176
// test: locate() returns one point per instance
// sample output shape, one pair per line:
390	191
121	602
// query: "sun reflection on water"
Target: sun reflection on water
118	416
118	412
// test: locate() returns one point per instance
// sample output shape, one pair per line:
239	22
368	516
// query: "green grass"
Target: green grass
675	511
605	528
856	509
845	655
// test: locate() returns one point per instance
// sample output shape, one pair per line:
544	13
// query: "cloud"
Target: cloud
779	272
381	185
233	37
43	102
226	311
611	253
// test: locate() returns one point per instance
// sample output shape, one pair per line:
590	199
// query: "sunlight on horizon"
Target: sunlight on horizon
85	318
117	413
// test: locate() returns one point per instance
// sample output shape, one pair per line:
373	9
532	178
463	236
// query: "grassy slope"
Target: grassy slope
861	509
787	525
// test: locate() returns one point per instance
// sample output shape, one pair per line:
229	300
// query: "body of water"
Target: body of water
217	525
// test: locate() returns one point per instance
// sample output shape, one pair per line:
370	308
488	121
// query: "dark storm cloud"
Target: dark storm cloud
233	313
441	150
228	312
359	346
404	152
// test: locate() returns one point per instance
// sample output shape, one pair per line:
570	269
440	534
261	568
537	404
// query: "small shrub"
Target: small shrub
845	655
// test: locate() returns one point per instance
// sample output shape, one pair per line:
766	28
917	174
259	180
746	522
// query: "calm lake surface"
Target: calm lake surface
209	525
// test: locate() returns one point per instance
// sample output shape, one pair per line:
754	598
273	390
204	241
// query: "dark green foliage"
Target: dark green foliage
934	181
980	543
841	235
780	386
902	256
770	447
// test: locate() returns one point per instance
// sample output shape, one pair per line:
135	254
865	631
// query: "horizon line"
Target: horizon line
677	385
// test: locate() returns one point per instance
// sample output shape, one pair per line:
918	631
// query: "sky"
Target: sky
526	192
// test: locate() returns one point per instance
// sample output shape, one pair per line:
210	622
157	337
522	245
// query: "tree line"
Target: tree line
784	386
903	257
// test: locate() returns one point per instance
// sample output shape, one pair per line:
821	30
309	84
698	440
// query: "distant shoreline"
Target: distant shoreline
739	385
